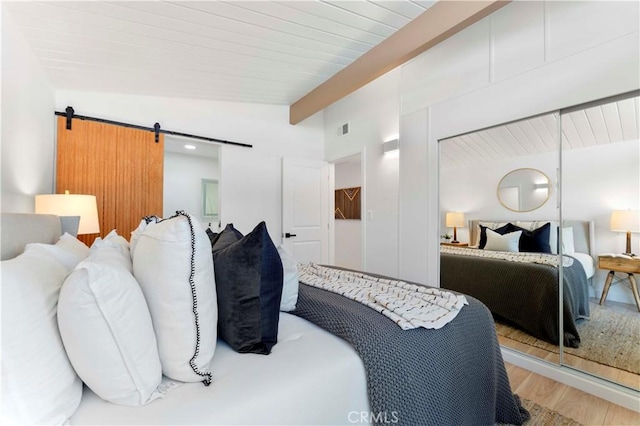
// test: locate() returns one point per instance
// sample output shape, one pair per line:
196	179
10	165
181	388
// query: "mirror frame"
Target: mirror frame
530	210
207	199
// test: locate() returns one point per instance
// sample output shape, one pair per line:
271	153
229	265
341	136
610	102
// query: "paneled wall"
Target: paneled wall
527	58
372	114
595	65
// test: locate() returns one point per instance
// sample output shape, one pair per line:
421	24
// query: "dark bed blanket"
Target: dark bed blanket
451	376
524	294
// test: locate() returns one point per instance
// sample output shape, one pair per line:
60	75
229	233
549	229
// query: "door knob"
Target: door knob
288	235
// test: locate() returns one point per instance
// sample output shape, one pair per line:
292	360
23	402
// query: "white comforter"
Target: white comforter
311	377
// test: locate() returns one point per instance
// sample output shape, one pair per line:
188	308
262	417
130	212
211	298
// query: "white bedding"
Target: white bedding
311	377
587	263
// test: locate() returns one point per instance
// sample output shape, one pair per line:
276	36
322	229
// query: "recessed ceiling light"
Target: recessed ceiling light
189	147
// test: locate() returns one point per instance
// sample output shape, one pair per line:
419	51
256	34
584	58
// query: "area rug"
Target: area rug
542	416
610	337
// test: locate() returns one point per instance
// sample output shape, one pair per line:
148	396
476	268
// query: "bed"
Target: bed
336	362
525	292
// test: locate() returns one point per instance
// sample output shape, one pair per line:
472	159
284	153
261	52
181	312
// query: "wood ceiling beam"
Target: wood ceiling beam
436	24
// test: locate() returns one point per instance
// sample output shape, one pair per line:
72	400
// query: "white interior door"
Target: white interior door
305	209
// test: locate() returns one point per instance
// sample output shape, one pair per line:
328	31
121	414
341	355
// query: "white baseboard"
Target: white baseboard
601	388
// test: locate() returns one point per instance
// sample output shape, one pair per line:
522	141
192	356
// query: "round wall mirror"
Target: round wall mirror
524	190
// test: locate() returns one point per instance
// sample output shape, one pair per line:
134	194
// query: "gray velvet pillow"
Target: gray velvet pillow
249	278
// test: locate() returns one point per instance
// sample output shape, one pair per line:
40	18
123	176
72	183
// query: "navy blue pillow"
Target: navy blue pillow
213	236
249	278
501	230
536	241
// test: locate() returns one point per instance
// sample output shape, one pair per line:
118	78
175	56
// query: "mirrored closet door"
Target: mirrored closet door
551	198
600	204
498	187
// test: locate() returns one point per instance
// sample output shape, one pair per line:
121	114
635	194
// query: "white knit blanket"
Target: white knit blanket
408	305
522	257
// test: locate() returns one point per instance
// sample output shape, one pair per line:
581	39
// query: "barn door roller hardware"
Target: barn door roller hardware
69	112
70	115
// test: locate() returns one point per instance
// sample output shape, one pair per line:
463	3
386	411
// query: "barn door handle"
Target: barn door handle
288	235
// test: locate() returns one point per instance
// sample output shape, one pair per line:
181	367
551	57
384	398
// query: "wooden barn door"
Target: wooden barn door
121	166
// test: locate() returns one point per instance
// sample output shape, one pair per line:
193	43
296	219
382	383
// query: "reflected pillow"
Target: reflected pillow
507	242
536	241
568	245
501	230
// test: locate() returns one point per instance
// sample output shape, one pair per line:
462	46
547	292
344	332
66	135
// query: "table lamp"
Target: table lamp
454	220
84	206
626	221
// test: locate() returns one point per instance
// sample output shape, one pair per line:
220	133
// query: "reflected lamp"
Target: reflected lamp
454	220
626	221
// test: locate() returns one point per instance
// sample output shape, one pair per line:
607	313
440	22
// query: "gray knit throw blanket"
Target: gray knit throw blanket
450	376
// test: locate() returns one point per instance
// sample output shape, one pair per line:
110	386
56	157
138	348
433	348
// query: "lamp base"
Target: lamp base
628	251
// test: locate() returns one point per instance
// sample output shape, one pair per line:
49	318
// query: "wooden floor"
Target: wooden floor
580	406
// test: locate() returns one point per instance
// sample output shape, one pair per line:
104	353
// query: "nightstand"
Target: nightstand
625	265
455	244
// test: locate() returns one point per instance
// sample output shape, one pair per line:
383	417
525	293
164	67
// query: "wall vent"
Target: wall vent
344	129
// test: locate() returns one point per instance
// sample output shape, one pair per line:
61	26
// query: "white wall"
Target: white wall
182	186
373	114
250	188
27	154
348	233
596	181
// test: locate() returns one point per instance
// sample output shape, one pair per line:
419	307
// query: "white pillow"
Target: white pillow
74	245
290	280
112	240
173	264
490	225
106	329
39	385
506	242
68	250
136	233
568	245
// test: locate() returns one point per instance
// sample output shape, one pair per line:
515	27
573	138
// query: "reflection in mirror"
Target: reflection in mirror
600	175
210	199
524	190
518	156
188	164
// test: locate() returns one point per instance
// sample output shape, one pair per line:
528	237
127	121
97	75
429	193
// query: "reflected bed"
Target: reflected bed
525	293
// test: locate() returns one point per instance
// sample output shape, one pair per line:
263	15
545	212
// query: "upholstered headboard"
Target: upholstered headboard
19	229
583	233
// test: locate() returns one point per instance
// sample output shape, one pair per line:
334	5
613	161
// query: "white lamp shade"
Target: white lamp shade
625	220
454	219
84	206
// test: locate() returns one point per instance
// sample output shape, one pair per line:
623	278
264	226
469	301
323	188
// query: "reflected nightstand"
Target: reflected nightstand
625	265
455	244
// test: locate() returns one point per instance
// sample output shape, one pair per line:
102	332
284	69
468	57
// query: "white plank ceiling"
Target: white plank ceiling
243	51
603	124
